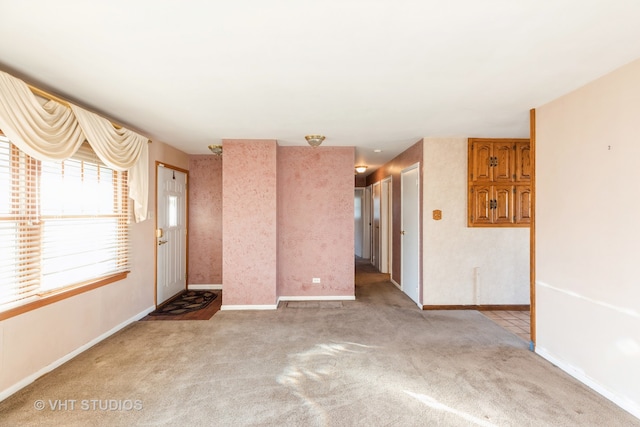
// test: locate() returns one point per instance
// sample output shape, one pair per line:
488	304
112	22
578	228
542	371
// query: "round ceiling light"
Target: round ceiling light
216	149
314	140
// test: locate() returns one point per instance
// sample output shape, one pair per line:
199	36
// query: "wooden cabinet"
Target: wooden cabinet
523	204
499	183
523	161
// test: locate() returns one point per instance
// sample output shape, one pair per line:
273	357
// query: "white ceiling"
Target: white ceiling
365	73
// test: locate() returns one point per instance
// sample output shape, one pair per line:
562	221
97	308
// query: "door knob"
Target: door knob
402	232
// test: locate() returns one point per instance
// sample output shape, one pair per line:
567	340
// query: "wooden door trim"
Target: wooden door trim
532	230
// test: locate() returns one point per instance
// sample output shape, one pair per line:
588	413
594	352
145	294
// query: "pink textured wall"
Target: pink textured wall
205	220
249	222
410	156
315	221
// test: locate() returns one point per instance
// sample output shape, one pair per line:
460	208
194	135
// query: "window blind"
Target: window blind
61	223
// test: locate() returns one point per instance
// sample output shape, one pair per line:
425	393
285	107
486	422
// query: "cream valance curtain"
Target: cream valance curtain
55	132
120	149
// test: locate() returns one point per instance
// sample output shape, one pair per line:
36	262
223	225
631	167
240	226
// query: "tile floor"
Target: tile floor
517	322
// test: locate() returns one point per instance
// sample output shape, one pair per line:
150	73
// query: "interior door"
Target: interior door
358	221
366	215
375	253
410	257
171	232
385	226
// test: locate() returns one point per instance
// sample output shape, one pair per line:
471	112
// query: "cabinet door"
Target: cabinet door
480	197
503	202
499	185
523	204
523	161
503	170
480	155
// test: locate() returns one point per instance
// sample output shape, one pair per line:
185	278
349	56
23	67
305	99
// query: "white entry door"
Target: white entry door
410	257
171	233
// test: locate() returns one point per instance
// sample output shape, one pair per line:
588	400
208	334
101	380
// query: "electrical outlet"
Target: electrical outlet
315	280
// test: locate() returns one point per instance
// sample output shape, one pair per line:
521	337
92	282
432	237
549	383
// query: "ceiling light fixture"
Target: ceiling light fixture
216	149
314	140
361	168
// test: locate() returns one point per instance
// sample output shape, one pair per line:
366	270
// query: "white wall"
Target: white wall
33	343
462	265
588	234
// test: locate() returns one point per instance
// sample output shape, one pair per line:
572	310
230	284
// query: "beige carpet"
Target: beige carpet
376	361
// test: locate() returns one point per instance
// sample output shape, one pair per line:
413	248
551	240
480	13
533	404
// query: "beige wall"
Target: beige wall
33	343
463	265
587	234
460	265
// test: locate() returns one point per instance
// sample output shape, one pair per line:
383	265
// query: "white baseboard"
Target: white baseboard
204	287
249	307
31	378
287	298
632	407
396	283
318	298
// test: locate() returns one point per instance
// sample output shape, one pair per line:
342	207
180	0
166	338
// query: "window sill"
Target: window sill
61	294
